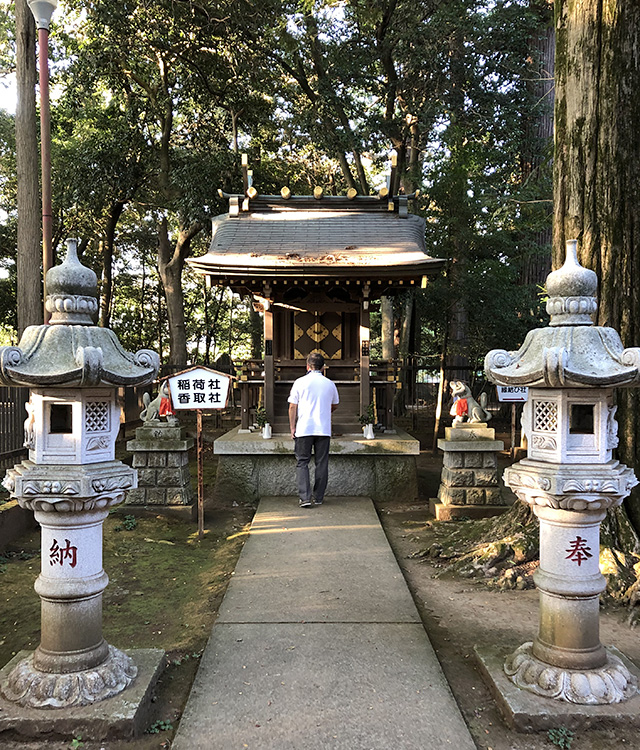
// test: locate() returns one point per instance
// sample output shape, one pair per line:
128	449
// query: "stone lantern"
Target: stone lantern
570	479
70	481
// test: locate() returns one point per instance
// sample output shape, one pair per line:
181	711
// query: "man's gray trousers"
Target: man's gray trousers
320	446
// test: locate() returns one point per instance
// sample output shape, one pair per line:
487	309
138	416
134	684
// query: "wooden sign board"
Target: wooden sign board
199	388
512	394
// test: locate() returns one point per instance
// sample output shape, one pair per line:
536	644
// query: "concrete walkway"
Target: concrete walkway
318	644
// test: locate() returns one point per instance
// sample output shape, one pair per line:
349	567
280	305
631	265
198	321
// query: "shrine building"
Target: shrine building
313	265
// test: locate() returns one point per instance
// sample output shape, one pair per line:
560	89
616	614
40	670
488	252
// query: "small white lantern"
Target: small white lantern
72	426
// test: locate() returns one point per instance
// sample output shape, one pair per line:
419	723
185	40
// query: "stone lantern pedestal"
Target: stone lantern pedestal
73	665
71	480
566	660
570	479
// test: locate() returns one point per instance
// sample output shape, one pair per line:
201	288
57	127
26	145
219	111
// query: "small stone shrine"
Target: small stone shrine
70	481
469	483
161	456
570	479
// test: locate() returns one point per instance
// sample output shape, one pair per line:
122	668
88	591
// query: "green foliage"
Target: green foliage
561	737
261	416
369	417
186	657
160	726
8	227
76	743
157	100
7	557
129	523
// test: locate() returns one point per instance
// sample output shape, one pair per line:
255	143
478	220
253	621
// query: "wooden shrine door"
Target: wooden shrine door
317	332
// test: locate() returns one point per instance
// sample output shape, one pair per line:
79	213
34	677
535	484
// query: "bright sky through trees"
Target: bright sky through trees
8	93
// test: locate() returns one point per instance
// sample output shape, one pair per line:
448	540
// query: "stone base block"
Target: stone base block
250	468
450	512
123	716
165	445
470	495
163	479
248	478
469	431
526	712
160	496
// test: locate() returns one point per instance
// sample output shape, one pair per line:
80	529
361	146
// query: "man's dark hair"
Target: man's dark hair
315	361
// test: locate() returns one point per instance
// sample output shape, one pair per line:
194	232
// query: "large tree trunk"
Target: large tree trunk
29	290
536	264
457	209
597	170
170	264
108	244
386	313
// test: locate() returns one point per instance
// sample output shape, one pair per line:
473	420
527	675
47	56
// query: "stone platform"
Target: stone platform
125	715
160	454
250	467
526	712
469	486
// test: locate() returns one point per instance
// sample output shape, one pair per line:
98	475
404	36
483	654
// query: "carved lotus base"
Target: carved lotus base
612	683
68	488
32	688
576	487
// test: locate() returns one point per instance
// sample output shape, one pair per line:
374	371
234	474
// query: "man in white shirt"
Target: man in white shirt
312	399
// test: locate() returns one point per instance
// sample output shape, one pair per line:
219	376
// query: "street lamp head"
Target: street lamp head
42	11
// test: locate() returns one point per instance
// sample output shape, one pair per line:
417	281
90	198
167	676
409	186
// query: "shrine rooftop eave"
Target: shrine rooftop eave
317	244
237	271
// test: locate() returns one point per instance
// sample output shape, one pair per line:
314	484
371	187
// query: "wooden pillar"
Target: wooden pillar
269	375
365	388
244	407
389	395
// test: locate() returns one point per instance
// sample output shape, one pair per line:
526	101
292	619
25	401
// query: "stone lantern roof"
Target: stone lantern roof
571	351
71	351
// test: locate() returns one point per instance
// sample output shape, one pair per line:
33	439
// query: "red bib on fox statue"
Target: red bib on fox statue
465	407
166	408
461	408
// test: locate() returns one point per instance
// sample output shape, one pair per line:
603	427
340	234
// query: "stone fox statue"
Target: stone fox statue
159	407
465	405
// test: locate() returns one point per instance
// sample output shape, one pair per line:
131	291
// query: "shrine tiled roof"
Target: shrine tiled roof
309	240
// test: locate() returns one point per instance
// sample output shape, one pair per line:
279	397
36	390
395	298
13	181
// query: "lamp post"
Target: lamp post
42	11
